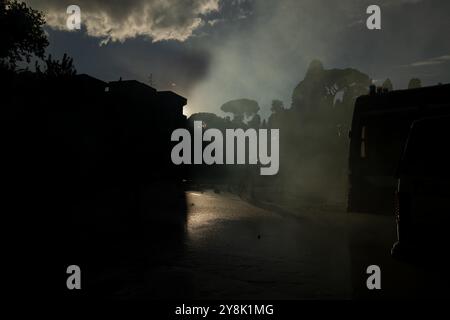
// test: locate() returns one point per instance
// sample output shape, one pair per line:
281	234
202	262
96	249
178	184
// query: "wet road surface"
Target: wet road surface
235	250
232	249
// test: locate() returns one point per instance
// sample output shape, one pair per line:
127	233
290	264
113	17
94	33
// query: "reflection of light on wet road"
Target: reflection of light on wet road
199	215
239	248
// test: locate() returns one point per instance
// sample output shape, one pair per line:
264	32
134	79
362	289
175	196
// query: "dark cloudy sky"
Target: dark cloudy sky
212	51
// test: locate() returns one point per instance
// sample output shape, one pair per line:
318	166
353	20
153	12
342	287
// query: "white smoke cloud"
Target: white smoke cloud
265	57
114	20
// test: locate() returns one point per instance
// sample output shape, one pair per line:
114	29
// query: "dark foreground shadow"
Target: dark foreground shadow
92	183
134	232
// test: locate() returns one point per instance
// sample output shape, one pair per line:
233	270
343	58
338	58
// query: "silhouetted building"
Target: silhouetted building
380	127
135	92
147	118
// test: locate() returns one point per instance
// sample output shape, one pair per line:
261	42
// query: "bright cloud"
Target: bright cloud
115	20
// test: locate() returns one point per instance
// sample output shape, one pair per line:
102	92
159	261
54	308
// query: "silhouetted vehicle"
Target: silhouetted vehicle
423	194
380	126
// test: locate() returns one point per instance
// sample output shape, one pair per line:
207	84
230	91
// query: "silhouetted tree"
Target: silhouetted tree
277	106
21	33
414	83
387	84
255	122
241	109
320	86
56	69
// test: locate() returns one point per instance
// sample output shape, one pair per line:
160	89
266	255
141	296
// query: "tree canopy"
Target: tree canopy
21	32
55	68
241	108
414	83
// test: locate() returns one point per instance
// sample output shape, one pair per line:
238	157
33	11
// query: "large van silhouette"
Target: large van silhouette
423	192
380	127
